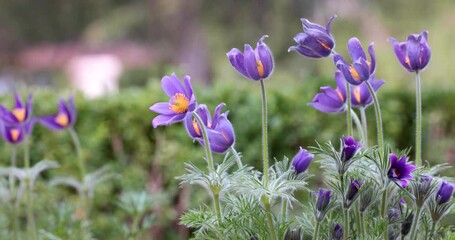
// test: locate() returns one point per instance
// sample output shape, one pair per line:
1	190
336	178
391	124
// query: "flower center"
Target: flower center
324	45
62	119
356	92
196	128
179	103
407	61
339	94
19	113
354	73
15	134
260	68
396	172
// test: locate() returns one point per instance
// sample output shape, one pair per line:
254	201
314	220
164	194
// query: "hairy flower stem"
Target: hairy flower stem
363	116
12	187
385	234
237	157
216	201
265	146
433	230
268	212
81	165
357	218
415	223
362	225
346	223
31	226
418	121
377	111
316	231
358	124
284	210
208	152
348	112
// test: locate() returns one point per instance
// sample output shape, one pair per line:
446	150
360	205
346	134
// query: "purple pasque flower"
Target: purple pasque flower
15	133
350	147
361	68
415	53
331	100
181	101
400	170
64	118
353	189
337	233
220	131
255	64
20	113
323	199
360	95
444	193
302	160
315	41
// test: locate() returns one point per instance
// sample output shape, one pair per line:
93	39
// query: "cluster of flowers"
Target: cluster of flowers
356	88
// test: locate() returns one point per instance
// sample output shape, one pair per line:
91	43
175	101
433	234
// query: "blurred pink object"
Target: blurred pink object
95	75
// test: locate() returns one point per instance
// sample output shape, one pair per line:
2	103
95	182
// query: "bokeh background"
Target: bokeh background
111	54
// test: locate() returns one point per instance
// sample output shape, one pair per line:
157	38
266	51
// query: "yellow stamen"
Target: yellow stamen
62	119
407	61
196	128
356	92
354	73
324	45
260	68
19	113
179	103
339	94
14	134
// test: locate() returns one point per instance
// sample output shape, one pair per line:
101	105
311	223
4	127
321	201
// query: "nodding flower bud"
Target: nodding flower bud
302	160
293	234
444	193
323	200
350	147
406	225
337	232
353	189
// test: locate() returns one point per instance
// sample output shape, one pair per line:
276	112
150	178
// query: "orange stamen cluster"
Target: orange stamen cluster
179	103
15	134
339	94
356	92
62	119
260	68
19	113
196	128
354	73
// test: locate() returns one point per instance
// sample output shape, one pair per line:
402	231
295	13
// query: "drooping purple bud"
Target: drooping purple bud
444	193
353	189
302	160
323	199
350	147
337	233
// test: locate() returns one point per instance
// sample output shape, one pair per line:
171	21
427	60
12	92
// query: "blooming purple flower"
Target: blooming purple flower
323	199
15	133
400	170
302	160
360	95
315	41
20	113
350	147
64	118
219	129
353	189
444	193
181	102
337	233
361	68
331	100
415	53
254	64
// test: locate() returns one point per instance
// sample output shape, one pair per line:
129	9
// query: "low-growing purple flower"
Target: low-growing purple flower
255	64
331	100
337	233
219	129
15	133
353	189
323	199
415	53
64	118
20	113
315	41
360	95
400	170
181	101
361	68
302	160
444	193
350	147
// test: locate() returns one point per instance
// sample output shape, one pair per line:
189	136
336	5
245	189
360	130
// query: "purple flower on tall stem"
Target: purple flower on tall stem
444	193
302	160
315	41
64	118
415	53
400	170
337	233
255	64
361	68
353	189
219	129
361	96
350	147
20	113
15	133
331	100
323	199
181	102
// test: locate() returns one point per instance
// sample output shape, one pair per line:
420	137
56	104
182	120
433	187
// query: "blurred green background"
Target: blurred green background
144	40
